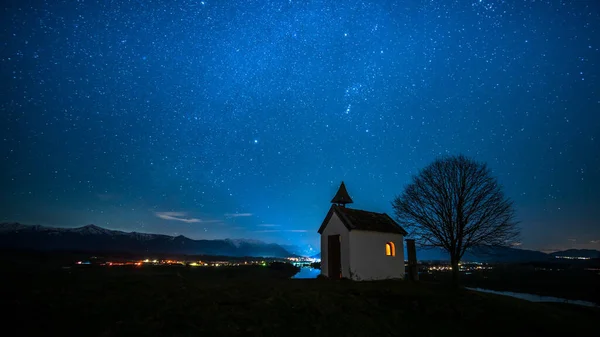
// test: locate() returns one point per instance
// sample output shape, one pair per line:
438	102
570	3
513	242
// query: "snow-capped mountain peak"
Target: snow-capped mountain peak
98	239
13	227
94	230
238	242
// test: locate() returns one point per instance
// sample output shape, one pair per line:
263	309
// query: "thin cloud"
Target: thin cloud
237	215
267	225
572	240
595	241
181	216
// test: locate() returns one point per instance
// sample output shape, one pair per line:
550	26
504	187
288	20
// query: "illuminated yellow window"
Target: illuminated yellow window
390	249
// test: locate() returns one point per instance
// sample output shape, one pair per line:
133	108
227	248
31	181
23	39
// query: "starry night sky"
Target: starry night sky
239	119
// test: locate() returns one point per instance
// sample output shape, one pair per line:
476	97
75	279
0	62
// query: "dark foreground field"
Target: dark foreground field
569	283
257	301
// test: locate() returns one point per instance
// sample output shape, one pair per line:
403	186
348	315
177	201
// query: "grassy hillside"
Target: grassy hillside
555	280
259	302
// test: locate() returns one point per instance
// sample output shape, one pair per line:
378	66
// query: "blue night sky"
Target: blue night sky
239	119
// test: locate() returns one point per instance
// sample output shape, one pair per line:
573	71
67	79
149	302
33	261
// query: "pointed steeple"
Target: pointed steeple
342	197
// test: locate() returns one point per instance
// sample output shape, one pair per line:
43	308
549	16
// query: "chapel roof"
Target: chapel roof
356	219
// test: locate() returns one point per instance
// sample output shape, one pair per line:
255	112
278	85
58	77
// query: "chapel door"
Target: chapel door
334	256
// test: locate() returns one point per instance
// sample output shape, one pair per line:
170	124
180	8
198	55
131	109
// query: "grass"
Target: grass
568	283
257	301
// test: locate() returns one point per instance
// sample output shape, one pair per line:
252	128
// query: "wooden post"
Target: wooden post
413	268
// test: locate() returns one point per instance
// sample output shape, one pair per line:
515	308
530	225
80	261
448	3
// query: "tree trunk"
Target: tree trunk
455	272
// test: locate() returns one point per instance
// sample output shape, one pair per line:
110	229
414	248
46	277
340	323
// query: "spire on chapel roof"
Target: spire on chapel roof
342	197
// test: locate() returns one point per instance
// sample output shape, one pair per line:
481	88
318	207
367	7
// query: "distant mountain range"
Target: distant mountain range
591	253
97	239
508	255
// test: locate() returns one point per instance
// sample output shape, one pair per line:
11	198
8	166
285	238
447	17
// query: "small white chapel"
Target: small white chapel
360	245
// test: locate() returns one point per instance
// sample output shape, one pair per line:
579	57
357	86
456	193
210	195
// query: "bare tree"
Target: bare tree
455	204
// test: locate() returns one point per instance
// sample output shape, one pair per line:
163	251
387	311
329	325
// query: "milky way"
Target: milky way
218	119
